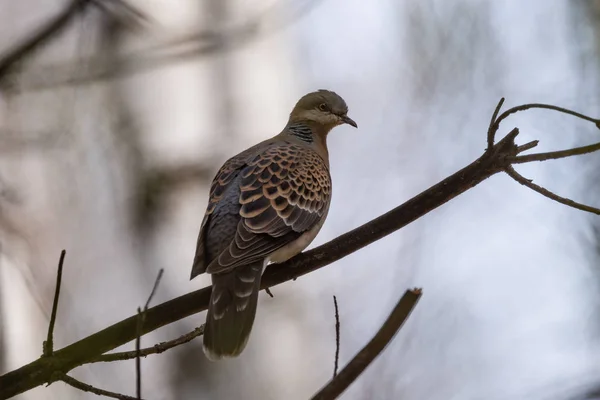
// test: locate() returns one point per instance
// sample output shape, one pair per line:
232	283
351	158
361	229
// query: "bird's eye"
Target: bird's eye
323	107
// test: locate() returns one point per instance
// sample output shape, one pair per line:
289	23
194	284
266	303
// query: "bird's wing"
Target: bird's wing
284	191
221	181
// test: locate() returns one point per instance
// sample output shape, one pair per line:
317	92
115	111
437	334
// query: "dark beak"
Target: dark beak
347	120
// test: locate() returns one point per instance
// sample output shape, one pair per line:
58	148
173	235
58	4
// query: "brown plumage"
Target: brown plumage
266	204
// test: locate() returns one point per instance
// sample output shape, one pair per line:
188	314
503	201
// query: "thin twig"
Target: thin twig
43	35
156	282
492	128
156	349
77	384
365	357
545	192
48	345
554	155
138	359
138	339
524	107
527	146
337	337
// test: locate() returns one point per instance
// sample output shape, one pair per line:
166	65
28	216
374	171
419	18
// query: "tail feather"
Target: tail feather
231	311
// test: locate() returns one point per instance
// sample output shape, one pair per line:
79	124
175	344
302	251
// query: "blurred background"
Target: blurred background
111	132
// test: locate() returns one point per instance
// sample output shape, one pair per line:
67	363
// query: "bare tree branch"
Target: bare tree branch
337	337
48	345
91	389
138	339
528	146
367	355
156	349
545	192
44	34
525	107
555	155
491	133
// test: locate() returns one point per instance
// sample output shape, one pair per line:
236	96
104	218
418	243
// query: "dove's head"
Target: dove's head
322	109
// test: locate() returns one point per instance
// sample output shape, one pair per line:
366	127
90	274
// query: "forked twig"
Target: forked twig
553	155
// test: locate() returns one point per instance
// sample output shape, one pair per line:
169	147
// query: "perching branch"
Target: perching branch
365	357
494	160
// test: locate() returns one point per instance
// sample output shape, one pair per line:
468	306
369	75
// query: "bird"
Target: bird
266	204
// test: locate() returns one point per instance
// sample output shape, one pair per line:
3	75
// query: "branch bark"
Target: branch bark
47	369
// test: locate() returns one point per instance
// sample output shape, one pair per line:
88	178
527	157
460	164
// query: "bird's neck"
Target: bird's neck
301	131
309	132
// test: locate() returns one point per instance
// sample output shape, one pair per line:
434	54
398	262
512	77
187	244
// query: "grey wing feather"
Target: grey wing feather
220	184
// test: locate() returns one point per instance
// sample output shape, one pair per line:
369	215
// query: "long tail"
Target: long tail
231	311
